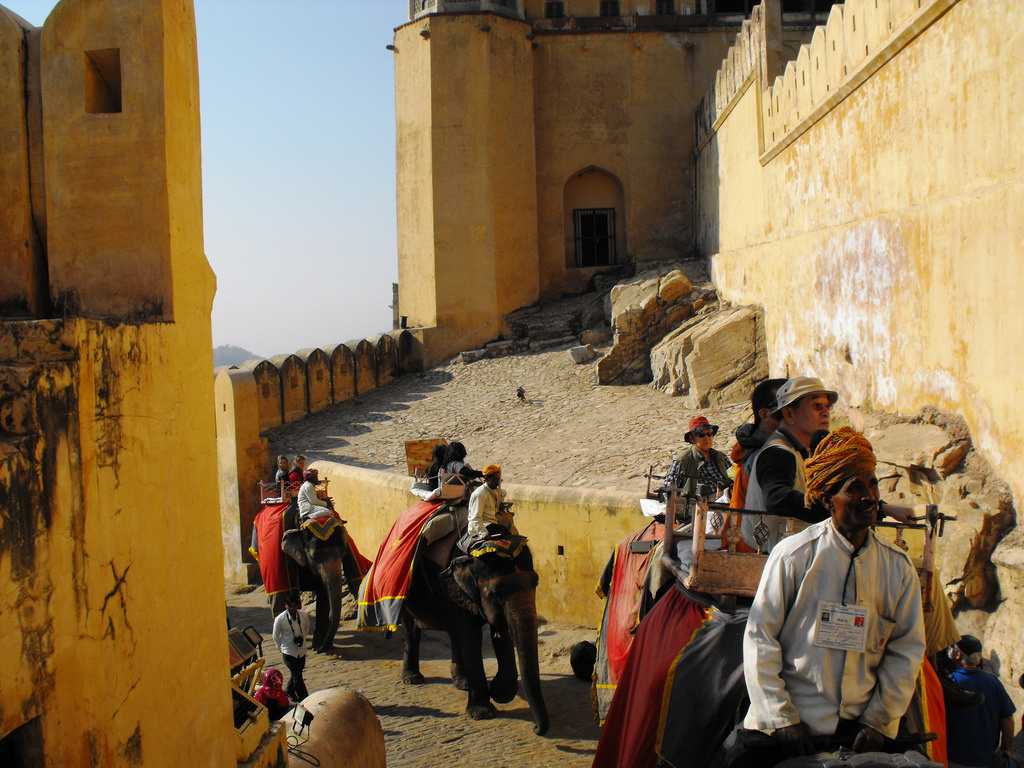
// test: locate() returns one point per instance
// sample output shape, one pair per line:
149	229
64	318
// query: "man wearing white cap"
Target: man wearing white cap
777	470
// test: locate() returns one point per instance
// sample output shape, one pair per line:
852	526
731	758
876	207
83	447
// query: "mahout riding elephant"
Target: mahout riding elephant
321	564
496	590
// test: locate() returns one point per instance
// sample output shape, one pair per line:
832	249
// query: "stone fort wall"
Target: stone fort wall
264	394
110	561
868	195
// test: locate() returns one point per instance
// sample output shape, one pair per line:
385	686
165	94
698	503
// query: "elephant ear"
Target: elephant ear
465	592
292	545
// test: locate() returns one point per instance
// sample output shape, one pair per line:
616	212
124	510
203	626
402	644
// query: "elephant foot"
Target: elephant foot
503	691
481	711
412	678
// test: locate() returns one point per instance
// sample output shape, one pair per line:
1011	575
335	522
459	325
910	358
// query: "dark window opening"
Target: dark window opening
23	747
594	229
665	7
610	8
103	81
554	10
795	6
822	6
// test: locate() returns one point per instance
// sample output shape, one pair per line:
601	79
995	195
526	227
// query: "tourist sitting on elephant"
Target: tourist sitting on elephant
309	501
700	470
439	457
298	469
488	512
455	464
282	469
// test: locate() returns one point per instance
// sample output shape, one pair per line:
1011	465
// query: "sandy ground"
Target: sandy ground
567	432
426	725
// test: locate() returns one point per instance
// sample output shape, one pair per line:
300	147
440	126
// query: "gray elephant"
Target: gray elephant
322	565
496	590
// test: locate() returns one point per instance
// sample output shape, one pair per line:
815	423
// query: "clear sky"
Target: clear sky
297	103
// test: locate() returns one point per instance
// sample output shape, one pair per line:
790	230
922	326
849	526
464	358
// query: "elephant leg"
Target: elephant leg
351	569
322	621
505	684
411	651
467	634
457	673
277	603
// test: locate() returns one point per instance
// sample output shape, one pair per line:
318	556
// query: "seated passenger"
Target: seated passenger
700	470
487	511
282	468
309	502
438	455
835	635
455	464
271	694
297	475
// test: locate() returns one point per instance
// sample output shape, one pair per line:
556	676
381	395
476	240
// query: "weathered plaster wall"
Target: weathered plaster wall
242	461
623	102
586	525
870	198
268	384
318	378
343	373
466	176
292	371
365	356
23	289
387	359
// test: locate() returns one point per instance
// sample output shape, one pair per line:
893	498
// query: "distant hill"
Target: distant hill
229	355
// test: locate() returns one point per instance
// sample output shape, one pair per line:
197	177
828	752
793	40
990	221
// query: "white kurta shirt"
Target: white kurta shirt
483	510
309	502
789	678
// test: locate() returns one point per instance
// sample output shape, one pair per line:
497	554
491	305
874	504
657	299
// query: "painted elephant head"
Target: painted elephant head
504	591
324	563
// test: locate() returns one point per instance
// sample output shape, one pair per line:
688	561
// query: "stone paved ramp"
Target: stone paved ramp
425	726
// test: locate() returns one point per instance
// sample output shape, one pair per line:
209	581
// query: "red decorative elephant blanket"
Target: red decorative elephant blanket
269	525
385	587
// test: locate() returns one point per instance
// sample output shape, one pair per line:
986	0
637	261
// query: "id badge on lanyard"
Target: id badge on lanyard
841	627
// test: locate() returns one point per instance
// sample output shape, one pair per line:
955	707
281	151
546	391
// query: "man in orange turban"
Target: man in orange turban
835	635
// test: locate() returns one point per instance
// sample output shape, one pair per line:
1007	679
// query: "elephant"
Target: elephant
321	568
473	591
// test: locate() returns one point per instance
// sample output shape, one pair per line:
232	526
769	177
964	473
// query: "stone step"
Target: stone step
541	345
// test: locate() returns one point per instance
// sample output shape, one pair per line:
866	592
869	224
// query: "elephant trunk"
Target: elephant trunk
521	615
330	576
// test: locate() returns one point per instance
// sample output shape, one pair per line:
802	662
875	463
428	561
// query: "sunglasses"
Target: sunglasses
703	432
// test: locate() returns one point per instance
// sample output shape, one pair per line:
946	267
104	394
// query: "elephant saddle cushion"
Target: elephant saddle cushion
385	587
501	545
321	526
270	525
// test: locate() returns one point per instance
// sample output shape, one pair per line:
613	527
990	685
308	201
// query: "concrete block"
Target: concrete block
473	355
598	336
501	348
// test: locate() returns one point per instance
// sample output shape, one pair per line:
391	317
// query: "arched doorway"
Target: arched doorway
595	220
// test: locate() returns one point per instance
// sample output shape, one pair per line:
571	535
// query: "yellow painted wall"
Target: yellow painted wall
881	223
243	459
268	385
387	359
365	356
343	374
623	103
293	387
464	111
318	378
587	524
109	553
22	279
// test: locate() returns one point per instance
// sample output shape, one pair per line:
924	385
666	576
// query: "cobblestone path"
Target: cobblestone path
425	726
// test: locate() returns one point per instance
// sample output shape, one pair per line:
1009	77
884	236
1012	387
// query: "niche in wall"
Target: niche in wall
103	81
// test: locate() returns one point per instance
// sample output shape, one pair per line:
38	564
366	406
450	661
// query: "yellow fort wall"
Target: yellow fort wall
586	524
870	198
467	232
109	556
622	103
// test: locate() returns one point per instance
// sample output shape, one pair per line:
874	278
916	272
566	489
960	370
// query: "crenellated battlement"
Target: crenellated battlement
857	38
